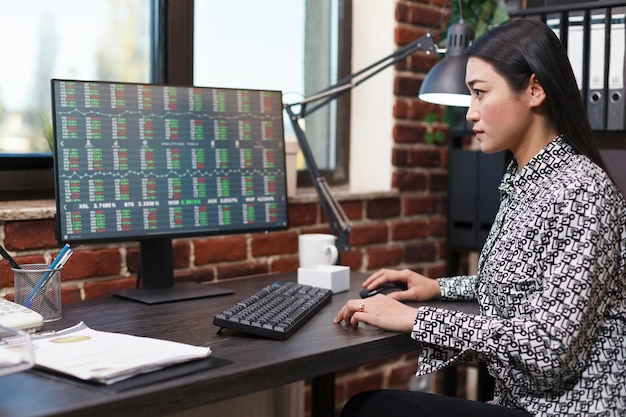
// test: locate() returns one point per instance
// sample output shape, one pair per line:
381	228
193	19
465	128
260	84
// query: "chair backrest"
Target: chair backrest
615	160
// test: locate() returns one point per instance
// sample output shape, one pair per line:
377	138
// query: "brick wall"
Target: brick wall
384	234
402	228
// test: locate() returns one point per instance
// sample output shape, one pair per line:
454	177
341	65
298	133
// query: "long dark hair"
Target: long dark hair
522	47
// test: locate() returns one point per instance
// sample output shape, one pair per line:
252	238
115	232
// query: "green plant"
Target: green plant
47	130
481	14
434	133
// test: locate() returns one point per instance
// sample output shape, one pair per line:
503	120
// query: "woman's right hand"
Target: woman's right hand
419	287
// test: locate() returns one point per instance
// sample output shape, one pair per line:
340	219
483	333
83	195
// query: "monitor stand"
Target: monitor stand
179	292
156	273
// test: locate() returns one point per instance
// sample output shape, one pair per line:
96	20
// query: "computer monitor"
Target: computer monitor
151	163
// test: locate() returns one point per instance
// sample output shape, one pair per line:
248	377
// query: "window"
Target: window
295	46
94	40
304	43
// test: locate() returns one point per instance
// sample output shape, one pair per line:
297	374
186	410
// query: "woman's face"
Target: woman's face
502	119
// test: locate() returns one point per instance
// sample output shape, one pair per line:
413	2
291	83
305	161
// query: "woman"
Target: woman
551	276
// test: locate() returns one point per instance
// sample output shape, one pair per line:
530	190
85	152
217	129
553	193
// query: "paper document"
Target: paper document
109	357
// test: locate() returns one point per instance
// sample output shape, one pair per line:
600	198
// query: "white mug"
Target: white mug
317	249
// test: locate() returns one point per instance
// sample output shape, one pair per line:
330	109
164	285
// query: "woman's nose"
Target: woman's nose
472	114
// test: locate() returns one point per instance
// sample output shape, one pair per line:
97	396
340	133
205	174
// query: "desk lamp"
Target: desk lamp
444	84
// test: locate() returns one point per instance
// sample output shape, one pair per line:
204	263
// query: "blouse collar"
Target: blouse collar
541	167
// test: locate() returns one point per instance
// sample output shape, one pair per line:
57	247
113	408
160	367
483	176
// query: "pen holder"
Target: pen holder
39	288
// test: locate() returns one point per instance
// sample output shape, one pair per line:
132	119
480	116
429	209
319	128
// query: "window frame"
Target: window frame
30	176
178	64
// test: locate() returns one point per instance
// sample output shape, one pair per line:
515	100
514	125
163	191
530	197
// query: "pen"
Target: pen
47	277
43	286
9	259
56	264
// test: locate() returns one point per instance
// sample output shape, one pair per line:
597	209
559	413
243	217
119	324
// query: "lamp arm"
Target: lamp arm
337	220
424	43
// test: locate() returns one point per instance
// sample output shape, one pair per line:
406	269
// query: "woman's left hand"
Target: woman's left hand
380	311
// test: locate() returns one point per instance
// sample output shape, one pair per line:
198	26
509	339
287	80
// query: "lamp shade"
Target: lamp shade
445	82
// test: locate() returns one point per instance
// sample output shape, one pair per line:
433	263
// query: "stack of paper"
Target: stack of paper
109	357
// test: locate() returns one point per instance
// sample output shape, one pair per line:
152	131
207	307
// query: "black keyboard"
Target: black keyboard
276	311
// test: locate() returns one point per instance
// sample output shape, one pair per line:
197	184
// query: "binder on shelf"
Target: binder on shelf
616	108
596	89
575	37
554	22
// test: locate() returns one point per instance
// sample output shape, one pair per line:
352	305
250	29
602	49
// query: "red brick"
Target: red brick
407	133
419	14
92	263
409	181
406	86
385	257
423	204
420	157
401	109
442	248
410	229
352	209
102	289
439	227
132	259
303	214
181	251
287	264
6	273
419	109
30	234
368	234
420	252
70	295
196	275
275	243
438	181
436	271
352	259
383	208
223	249
402	12
441	3
444	156
406	34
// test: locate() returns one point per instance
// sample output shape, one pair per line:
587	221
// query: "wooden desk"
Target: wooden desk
317	351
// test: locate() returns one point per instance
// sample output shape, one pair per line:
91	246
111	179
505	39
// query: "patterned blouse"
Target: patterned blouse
552	293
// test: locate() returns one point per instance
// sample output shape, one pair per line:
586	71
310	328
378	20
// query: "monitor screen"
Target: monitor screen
149	163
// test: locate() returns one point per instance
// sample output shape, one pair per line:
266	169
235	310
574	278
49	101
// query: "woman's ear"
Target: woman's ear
537	93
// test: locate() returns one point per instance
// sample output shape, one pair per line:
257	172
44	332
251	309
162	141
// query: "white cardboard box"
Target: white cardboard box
333	277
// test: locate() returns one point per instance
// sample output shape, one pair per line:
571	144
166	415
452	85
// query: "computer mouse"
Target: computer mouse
386	288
